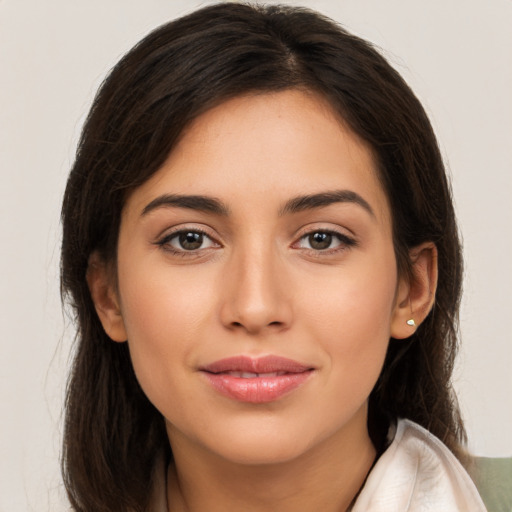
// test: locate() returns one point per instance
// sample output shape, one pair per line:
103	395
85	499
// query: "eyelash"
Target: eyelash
165	242
345	242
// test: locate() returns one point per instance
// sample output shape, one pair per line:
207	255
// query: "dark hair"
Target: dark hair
112	432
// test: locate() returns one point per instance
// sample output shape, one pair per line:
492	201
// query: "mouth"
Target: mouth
251	375
256	380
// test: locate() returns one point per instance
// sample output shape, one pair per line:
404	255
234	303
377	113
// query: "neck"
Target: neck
326	477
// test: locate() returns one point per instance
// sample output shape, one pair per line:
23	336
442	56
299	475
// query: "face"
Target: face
257	281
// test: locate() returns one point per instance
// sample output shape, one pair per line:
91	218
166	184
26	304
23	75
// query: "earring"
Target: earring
411	322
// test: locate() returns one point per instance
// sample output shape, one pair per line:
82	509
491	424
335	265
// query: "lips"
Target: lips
256	380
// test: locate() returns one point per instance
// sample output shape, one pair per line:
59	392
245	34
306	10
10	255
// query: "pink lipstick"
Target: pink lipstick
259	380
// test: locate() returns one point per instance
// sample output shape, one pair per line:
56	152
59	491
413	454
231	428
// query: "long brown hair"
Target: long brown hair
112	432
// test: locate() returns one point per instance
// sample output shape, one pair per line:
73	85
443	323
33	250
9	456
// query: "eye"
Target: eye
187	240
325	241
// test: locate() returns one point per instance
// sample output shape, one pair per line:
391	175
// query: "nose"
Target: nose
255	295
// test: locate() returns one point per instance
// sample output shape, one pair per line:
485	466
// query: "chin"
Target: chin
256	450
265	441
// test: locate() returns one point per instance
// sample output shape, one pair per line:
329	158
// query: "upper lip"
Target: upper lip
266	364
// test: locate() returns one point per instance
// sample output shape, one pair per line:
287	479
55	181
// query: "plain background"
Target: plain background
456	55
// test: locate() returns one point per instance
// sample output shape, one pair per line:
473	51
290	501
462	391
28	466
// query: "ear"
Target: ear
104	295
416	293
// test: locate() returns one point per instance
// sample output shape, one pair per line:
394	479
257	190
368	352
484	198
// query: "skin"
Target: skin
256	286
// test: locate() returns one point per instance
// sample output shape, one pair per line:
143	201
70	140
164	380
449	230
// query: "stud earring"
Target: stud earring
411	322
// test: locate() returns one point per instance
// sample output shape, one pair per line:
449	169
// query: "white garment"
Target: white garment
416	473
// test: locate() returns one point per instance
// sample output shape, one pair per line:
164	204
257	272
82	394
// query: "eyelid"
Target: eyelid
168	234
188	226
325	228
346	240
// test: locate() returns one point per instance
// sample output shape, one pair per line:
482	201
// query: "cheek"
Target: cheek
351	318
159	300
163	312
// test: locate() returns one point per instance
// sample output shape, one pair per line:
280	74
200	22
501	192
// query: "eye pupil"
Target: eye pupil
191	241
320	241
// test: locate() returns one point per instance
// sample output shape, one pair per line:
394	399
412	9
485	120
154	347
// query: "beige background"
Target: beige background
456	54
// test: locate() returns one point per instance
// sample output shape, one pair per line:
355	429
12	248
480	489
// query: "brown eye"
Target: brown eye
187	241
320	241
325	241
191	240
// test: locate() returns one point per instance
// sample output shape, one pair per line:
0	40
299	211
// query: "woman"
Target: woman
261	250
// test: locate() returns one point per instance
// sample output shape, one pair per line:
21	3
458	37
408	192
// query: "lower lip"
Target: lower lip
257	390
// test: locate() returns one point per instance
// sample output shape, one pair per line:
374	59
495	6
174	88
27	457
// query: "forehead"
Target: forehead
269	146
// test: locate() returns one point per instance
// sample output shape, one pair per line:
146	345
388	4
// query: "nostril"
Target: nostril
237	325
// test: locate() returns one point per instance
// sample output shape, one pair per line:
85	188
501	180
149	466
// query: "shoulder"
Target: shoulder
416	473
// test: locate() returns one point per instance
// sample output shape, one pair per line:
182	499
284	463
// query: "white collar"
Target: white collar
418	473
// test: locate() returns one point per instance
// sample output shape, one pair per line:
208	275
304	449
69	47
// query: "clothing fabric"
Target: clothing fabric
493	479
416	473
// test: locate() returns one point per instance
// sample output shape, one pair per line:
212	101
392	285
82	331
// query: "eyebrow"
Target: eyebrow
193	202
297	204
323	199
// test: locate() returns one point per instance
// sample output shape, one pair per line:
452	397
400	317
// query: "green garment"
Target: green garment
493	479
